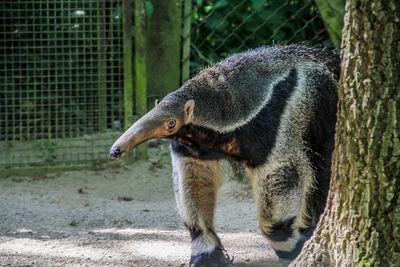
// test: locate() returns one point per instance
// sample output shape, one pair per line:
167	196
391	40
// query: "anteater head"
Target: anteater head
164	120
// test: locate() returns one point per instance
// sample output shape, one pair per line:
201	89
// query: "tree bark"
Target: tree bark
361	223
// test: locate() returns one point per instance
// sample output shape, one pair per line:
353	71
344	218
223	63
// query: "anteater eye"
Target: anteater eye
171	124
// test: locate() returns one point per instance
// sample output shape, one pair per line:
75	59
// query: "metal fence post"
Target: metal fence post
140	67
102	67
187	20
128	81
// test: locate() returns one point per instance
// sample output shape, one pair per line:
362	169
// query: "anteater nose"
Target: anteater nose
115	152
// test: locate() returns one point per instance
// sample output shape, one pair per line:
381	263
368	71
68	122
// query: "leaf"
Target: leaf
216	21
207	9
196	15
220	3
271	17
149	8
257	4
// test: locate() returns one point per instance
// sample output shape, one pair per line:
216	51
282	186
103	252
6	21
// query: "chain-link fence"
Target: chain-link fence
222	27
61	80
62	71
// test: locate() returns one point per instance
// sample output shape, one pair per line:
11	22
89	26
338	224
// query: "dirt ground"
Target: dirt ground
117	216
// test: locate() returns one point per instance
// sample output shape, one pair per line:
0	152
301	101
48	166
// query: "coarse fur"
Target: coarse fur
269	112
273	110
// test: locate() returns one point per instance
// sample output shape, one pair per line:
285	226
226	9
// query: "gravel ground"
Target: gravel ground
117	216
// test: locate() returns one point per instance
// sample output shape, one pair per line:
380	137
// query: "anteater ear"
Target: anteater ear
188	111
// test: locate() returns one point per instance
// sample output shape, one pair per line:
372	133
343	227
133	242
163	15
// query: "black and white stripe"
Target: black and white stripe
272	111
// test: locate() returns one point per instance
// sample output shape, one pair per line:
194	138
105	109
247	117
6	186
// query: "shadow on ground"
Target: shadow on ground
123	216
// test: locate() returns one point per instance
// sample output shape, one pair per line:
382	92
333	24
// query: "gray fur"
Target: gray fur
240	85
230	94
269	112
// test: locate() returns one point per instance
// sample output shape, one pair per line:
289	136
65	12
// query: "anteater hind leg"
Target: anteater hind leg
196	183
281	204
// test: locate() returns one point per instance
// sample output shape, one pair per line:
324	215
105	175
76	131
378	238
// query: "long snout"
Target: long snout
129	140
141	131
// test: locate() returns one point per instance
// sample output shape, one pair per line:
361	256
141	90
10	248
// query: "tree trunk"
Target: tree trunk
361	223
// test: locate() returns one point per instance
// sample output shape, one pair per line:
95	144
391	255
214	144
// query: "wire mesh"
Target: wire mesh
61	66
61	80
222	27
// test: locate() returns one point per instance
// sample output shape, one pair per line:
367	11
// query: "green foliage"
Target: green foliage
332	12
149	8
46	150
222	27
61	61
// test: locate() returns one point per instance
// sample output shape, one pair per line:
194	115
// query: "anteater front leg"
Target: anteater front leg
196	183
